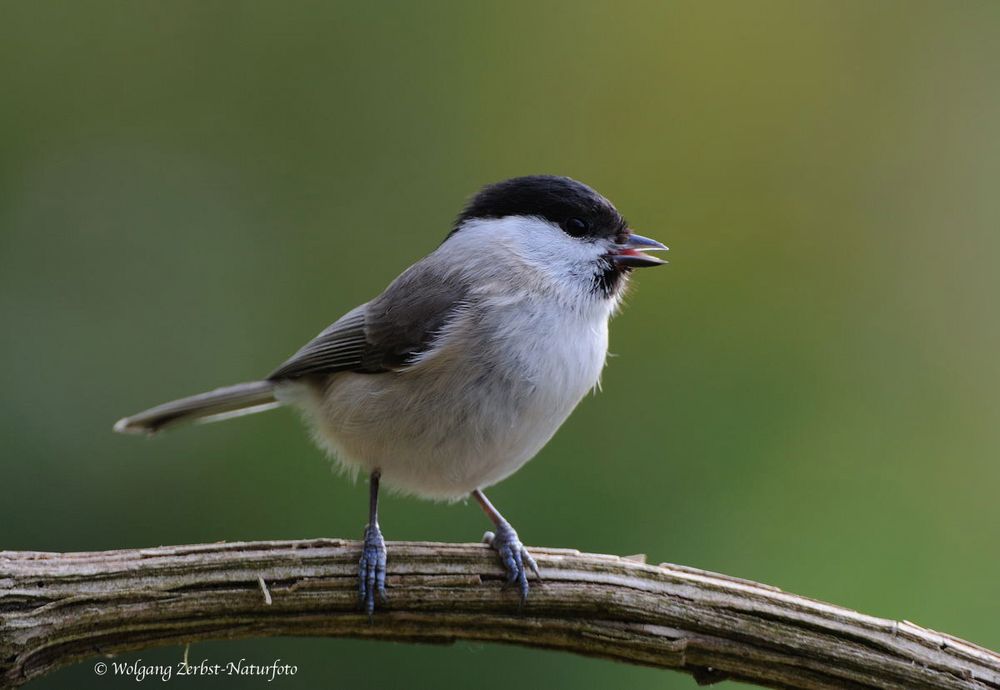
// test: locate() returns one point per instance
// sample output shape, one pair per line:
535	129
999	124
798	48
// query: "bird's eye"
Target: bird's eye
576	227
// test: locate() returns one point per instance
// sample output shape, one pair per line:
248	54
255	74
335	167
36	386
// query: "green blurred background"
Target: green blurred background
807	395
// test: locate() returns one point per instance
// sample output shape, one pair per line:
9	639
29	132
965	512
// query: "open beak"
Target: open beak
630	253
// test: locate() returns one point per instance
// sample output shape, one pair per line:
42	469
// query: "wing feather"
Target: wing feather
386	334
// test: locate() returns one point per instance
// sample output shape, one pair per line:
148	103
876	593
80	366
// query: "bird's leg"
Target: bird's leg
371	571
506	543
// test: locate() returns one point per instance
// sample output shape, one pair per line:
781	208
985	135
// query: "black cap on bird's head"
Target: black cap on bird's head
573	206
562	201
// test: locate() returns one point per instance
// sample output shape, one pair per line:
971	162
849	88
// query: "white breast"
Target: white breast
472	413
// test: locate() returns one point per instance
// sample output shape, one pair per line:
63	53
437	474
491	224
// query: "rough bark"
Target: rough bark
57	609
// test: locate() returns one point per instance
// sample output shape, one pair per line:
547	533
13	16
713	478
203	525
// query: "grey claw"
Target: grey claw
371	570
513	557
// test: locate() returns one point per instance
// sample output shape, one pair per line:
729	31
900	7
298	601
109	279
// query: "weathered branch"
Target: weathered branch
56	609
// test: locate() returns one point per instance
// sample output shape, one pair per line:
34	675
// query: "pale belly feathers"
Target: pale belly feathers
471	411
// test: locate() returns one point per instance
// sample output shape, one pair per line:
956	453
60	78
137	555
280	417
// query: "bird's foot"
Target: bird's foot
515	558
371	570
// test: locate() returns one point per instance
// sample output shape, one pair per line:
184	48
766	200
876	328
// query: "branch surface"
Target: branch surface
61	608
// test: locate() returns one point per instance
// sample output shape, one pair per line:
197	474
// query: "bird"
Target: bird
464	367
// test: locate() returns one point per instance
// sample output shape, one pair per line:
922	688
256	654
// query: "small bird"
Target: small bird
465	366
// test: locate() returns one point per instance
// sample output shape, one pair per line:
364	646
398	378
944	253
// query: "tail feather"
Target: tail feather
222	403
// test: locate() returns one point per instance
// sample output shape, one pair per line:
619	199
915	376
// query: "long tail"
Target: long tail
222	403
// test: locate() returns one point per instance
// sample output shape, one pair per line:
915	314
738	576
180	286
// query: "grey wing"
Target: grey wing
340	347
385	334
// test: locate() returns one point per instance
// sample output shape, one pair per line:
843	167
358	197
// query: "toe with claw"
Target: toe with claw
371	570
515	558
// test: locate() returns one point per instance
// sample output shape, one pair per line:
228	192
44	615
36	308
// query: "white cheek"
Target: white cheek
539	244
